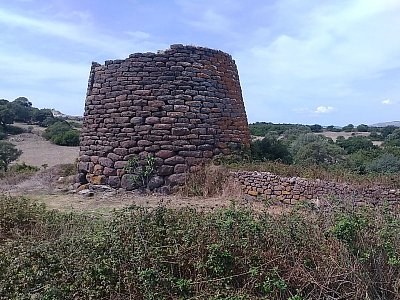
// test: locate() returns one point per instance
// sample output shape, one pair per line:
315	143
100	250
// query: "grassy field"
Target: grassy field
343	252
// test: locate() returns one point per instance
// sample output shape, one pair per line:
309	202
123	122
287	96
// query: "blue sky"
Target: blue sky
325	62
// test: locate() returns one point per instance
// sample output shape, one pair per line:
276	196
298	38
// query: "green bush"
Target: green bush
386	163
23	168
311	149
355	143
61	133
8	153
270	149
14	130
345	252
393	139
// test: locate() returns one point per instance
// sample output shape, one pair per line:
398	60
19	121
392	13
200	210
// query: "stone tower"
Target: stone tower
181	107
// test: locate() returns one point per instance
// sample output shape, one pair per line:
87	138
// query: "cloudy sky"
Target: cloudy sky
299	61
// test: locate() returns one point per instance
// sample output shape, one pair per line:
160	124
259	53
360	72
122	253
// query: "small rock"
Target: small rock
155	182
86	193
82	187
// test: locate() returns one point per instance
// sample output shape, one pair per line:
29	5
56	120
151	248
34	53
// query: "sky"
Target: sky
299	61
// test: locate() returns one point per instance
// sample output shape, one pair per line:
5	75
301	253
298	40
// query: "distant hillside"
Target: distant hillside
59	114
393	123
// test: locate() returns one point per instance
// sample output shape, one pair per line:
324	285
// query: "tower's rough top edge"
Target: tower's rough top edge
173	47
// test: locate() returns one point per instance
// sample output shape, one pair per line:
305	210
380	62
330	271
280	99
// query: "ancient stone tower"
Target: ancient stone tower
178	107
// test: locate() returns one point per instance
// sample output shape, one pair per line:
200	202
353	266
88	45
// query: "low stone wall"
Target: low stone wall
290	190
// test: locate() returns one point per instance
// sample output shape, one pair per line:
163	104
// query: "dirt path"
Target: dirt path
47	187
105	203
36	151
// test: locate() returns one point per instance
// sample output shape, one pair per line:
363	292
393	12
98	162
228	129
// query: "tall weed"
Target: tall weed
344	252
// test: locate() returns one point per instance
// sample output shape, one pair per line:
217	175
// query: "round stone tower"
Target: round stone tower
151	117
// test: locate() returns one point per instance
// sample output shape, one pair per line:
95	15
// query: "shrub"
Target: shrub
345	252
362	128
270	149
316	128
387	163
348	128
355	143
393	139
14	130
311	149
8	153
23	168
61	133
210	180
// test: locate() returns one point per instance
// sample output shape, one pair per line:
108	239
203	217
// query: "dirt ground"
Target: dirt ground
346	135
56	192
48	186
36	151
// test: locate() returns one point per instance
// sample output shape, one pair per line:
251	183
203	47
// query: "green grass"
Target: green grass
343	252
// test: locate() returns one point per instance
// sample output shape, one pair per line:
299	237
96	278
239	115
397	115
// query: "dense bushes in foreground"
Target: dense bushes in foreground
340	253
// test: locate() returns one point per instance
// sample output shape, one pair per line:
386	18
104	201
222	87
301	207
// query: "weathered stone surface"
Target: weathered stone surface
181	106
81	178
165	170
176	179
164	154
293	189
114	181
155	182
174	160
127	182
96	179
106	162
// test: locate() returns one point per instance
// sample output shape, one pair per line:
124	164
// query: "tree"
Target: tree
316	128
270	148
305	139
362	128
348	128
318	153
23	101
355	143
312	149
385	131
39	115
21	112
393	139
387	163
6	115
8	153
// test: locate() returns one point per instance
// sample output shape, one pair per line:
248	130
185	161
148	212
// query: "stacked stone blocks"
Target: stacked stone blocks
291	190
181	106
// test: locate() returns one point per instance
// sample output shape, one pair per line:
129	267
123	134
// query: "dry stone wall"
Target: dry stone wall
181	106
290	190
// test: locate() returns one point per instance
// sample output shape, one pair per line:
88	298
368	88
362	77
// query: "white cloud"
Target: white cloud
81	32
387	102
335	51
324	109
211	21
138	34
